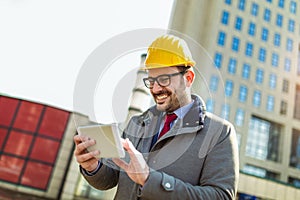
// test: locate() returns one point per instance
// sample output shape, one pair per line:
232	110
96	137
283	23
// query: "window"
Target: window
232	66
295	149
225	18
214	81
267	15
221	39
279	19
298	63
272	81
262	55
256	98
275	58
281	3
277	39
283	107
228	2
241	5
238	23
256	171
235	44
239	117
270	103
285	86
293	7
264	34
289	44
228	88
287	64
218	60
225	111
249	49
210	104
259	172
291	26
254	9
297	103
251	30
243	93
246	71
294	181
259	76
263	139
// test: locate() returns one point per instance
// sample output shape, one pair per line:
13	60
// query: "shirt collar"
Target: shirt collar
181	112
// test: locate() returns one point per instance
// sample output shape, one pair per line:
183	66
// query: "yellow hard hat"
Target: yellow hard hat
168	51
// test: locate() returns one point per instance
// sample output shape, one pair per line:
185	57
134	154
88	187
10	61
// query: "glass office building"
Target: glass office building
254	45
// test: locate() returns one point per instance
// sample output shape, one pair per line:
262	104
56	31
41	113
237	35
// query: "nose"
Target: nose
156	87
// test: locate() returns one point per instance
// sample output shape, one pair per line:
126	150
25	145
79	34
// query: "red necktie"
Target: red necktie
169	119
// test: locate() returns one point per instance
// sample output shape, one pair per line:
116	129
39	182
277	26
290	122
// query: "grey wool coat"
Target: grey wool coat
196	159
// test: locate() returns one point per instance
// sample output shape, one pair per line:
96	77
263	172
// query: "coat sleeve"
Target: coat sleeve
219	176
105	178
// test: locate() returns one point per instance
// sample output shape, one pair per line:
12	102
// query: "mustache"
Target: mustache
162	92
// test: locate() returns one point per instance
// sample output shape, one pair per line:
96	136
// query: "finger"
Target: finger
128	146
133	153
77	139
80	138
136	157
87	156
82	147
121	163
122	140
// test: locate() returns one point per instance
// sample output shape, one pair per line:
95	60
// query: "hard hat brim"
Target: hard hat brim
157	66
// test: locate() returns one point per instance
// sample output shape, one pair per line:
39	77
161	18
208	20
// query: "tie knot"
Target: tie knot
170	117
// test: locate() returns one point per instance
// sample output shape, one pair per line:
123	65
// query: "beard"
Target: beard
166	101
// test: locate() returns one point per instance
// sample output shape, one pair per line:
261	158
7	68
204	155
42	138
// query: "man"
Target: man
196	159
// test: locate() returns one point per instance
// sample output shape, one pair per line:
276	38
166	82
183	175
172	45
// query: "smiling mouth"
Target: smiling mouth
161	97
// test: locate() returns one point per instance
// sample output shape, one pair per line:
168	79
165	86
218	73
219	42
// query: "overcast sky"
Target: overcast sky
43	44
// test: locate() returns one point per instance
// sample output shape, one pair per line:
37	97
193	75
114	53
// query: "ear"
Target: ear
189	75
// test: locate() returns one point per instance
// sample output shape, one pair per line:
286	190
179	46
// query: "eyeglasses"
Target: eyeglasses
163	80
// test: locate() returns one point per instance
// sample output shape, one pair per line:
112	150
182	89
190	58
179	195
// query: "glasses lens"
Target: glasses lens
148	82
163	80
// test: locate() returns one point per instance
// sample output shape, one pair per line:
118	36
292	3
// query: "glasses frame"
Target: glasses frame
155	79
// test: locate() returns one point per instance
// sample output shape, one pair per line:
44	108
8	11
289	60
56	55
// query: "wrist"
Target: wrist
92	168
146	176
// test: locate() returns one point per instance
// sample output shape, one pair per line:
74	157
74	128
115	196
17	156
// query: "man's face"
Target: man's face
173	96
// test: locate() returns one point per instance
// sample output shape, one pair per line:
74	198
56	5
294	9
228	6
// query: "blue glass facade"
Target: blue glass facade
256	43
256	98
252	29
254	9
225	17
221	38
232	66
243	93
246	71
218	59
228	88
214	82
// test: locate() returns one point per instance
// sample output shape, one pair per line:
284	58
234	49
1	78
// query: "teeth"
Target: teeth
159	97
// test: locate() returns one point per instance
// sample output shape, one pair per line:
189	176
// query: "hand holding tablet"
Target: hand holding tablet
107	137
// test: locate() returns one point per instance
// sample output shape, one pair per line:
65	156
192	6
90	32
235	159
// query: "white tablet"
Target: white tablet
108	140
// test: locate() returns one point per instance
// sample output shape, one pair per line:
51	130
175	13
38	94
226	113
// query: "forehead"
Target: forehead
160	71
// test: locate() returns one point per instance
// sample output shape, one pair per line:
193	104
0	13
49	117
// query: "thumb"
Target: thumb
128	146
